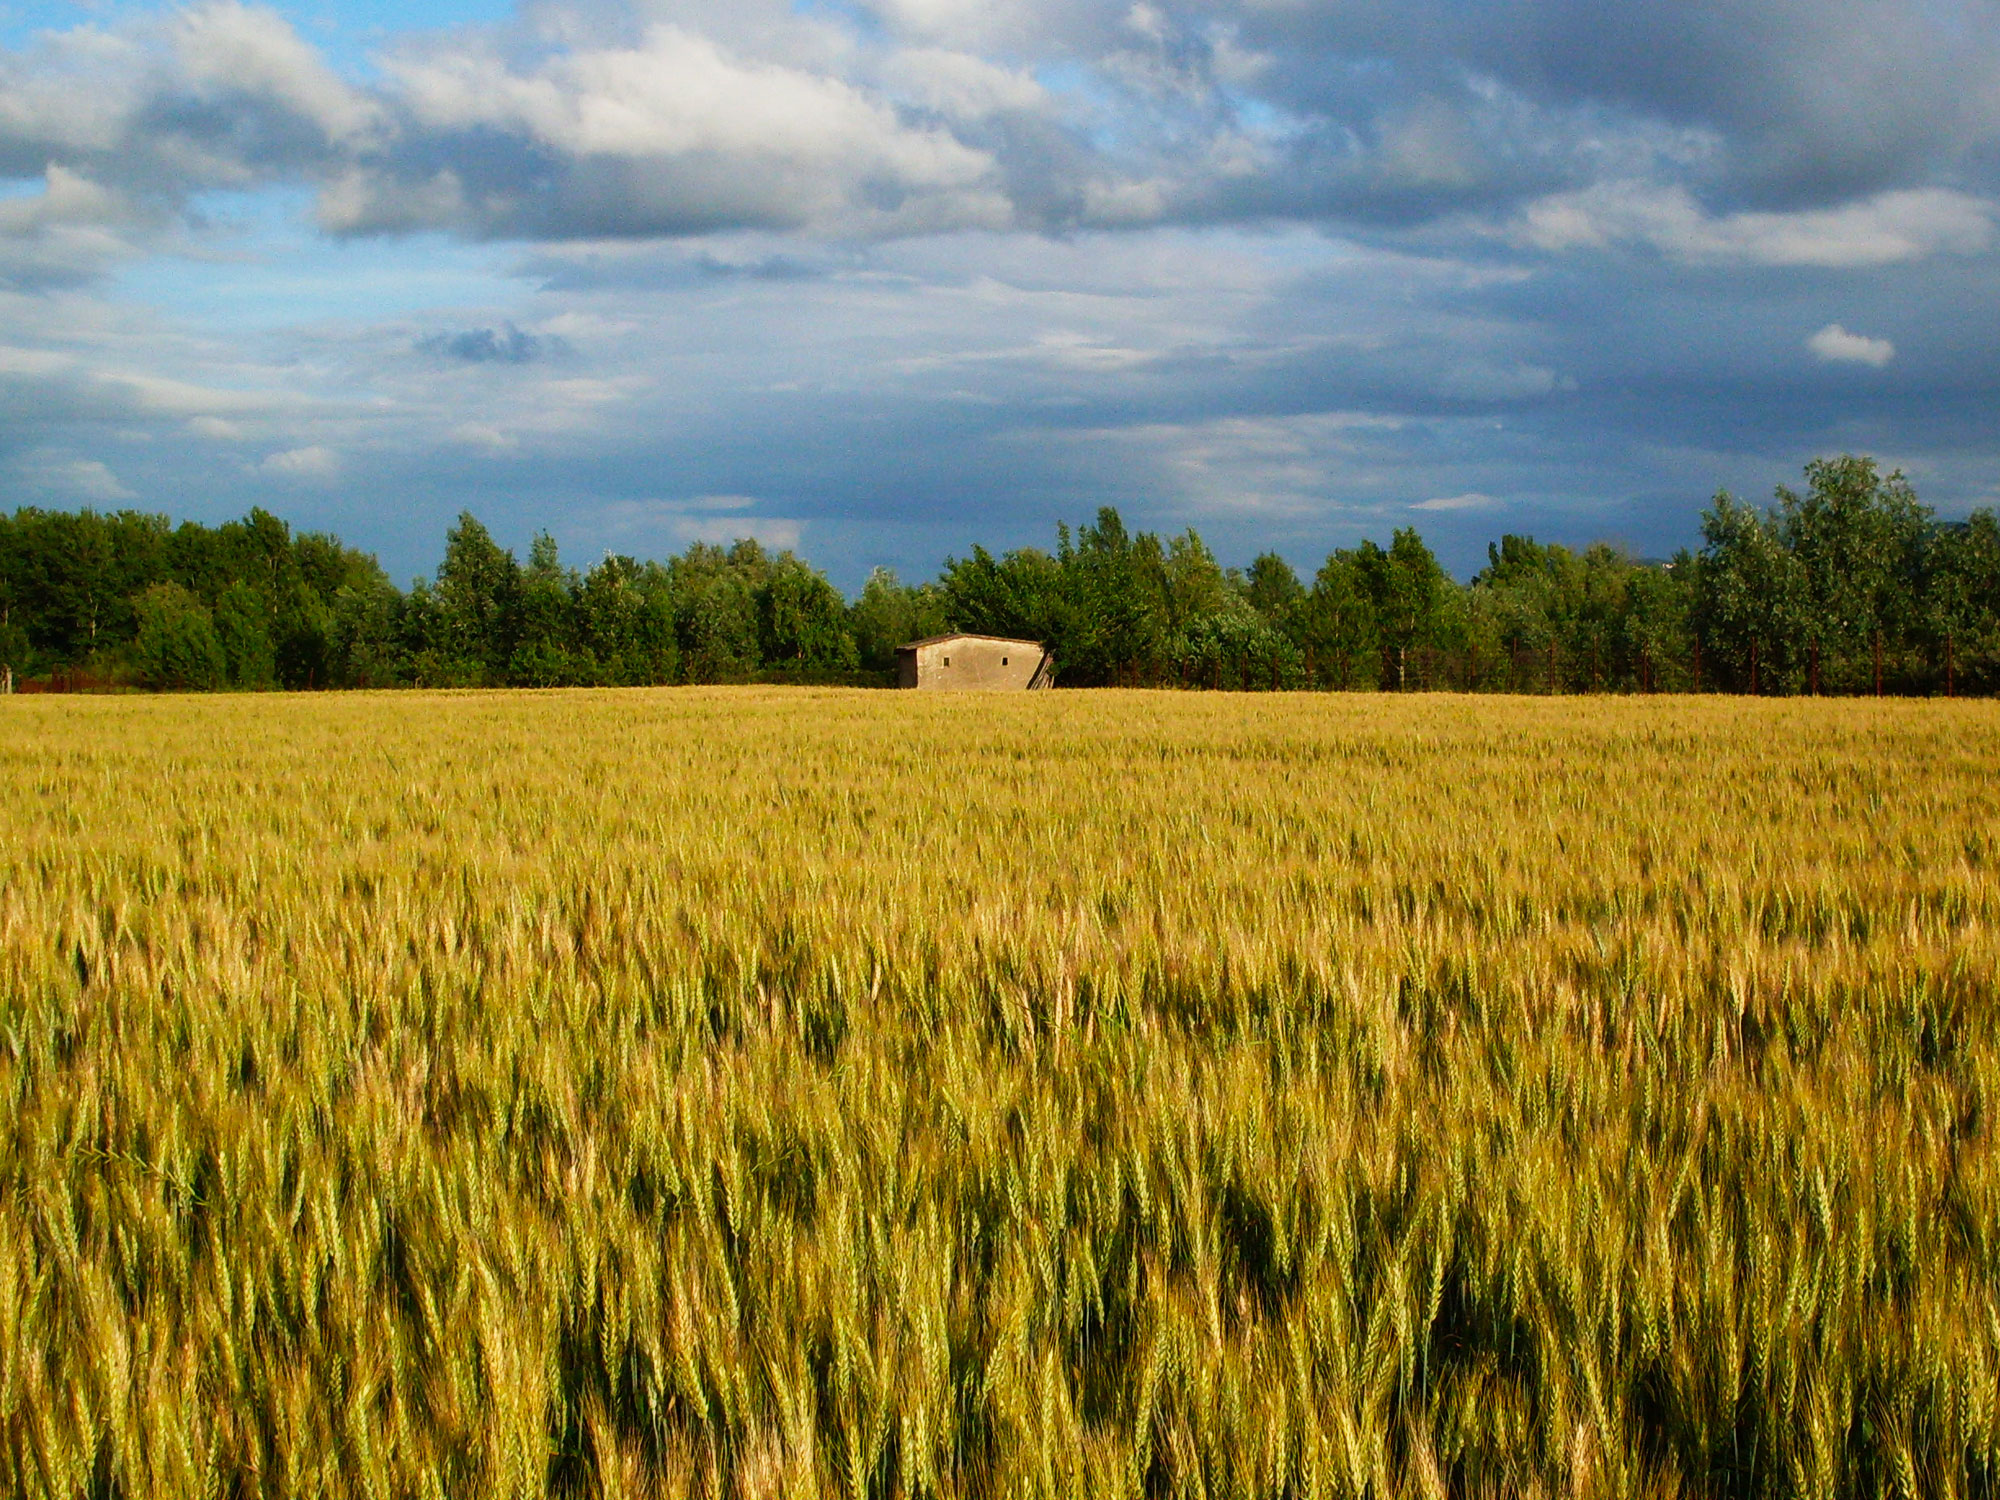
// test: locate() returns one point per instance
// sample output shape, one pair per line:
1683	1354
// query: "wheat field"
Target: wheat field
795	1093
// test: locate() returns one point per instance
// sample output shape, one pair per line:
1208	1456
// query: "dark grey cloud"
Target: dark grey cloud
1809	101
506	345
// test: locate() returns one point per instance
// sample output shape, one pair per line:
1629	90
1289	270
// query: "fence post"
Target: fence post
1552	666
1948	685
1878	662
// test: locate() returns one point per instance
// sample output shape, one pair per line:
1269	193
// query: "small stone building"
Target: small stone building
974	661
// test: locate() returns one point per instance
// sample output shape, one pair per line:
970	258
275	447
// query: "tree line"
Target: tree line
1850	586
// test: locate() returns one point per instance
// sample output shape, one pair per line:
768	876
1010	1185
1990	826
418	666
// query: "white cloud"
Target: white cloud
84	479
1470	500
71	230
962	86
1886	229
227	48
1835	345
1278	466
773	531
34	363
673	135
183	398
485	437
314	463
707	514
66	198
974	22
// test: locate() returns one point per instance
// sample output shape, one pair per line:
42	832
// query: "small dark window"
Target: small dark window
1003	661
947	661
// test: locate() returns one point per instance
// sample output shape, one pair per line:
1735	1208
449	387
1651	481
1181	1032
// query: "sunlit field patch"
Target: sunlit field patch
777	1092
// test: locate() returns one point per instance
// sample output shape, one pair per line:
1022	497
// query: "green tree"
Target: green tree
802	620
1019	595
478	599
547	652
1749	598
1657	629
1192	582
1406	586
1338	625
177	646
889	614
715	610
367	636
242	619
1857	539
1274	591
16	655
651	651
1234	647
74	577
304	654
1113	620
1961	600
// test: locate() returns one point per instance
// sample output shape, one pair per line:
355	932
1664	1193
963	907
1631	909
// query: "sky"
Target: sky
880	279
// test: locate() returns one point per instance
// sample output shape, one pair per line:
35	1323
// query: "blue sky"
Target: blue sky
882	278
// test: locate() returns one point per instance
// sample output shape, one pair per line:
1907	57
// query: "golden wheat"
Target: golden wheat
757	1093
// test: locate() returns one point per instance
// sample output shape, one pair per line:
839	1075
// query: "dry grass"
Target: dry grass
752	1093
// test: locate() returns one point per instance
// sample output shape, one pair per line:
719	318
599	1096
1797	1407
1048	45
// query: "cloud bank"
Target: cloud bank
1742	132
915	272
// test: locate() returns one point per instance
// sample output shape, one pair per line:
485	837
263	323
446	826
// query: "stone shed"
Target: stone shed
974	661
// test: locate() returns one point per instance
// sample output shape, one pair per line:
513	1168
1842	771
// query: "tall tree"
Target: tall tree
1750	598
1857	541
802	620
242	621
1020	594
890	613
1340	634
1406	584
1113	619
715	610
478	600
1275	592
547	652
176	645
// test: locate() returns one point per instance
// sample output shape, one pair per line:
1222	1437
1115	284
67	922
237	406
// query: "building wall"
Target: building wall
969	662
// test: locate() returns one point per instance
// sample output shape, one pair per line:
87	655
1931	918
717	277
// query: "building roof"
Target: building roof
968	635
